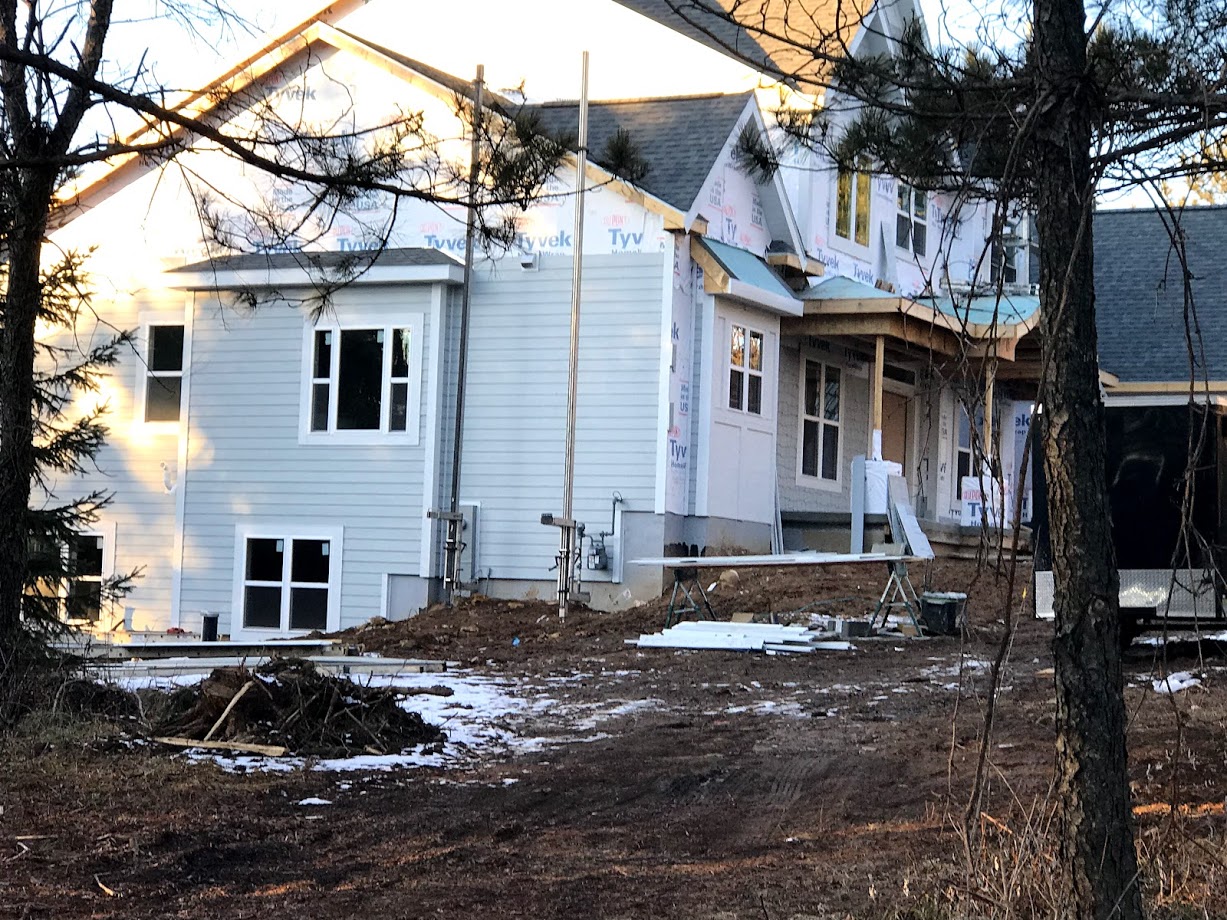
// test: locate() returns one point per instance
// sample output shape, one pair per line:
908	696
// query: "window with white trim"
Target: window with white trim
912	219
361	380
820	421
83	596
746	370
69	580
164	372
286	583
852	199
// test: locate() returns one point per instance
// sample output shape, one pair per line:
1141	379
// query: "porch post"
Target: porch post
990	448
875	424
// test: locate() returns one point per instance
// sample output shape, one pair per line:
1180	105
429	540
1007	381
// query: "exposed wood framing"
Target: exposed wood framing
811	267
875	427
914	333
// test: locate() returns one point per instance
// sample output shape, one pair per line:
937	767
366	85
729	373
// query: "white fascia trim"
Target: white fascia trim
663	385
223	279
757	297
181	462
432	420
335	535
1147	400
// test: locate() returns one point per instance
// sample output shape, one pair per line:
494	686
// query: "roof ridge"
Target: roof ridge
1150	209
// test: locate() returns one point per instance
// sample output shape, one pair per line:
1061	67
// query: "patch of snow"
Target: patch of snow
314	800
1174	683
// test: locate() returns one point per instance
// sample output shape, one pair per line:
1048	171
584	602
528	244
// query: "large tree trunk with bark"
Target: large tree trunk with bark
1097	850
28	201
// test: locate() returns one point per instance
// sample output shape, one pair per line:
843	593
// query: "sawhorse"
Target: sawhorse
898	593
686	583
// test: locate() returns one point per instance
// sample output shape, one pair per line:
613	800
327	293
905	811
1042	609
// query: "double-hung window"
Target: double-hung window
362	382
164	372
287	582
746	370
83	600
852	195
912	219
820	421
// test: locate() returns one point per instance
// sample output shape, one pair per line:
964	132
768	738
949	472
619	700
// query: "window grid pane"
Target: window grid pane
756	351
862	208
754	399
830	452
736	385
831	395
166	348
360	380
737	351
813	383
809	448
308	608
163	398
843	205
262	606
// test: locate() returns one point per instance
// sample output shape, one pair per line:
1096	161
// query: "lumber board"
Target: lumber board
764	561
267	750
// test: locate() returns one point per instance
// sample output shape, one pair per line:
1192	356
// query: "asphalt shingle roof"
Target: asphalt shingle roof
680	137
795	39
1139	295
272	261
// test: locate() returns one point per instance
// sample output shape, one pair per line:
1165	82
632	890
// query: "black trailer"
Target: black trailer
1167	488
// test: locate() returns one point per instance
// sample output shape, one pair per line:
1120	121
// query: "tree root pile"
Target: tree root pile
288	703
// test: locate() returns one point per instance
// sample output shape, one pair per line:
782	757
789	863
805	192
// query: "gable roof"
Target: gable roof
680	137
792	40
1139	295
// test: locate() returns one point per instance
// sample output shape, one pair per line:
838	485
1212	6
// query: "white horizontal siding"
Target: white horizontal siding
129	466
247	466
516	399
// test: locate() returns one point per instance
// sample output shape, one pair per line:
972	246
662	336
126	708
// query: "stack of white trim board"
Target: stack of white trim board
741	637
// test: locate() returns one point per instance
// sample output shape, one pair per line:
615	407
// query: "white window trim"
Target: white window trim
849	243
105	530
910	250
817	482
415	323
746	371
146	320
288	532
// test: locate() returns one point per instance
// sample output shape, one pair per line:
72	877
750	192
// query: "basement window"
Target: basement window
820	421
361	382
287	583
164	373
852	196
746	370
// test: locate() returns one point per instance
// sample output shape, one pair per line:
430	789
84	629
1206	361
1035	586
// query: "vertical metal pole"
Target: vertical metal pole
567	546
455	525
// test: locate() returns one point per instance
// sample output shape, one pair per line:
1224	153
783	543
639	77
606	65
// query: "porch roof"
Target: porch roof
839	305
742	275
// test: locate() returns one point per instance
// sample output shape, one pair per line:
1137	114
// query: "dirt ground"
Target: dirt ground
695	785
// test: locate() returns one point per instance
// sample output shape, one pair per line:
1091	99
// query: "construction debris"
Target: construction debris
742	637
288	706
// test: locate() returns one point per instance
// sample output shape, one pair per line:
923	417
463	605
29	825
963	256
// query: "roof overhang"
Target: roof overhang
750	280
1142	393
223	279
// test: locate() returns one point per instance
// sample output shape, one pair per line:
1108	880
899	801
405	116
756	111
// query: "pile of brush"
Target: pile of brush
288	707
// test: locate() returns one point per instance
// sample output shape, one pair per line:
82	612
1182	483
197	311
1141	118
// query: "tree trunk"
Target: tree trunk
1097	850
29	201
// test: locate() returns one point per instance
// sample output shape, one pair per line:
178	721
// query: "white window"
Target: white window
363	382
966	448
852	197
286	582
912	219
820	421
746	370
163	373
72	576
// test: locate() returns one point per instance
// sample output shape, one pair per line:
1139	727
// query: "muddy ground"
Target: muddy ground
661	784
